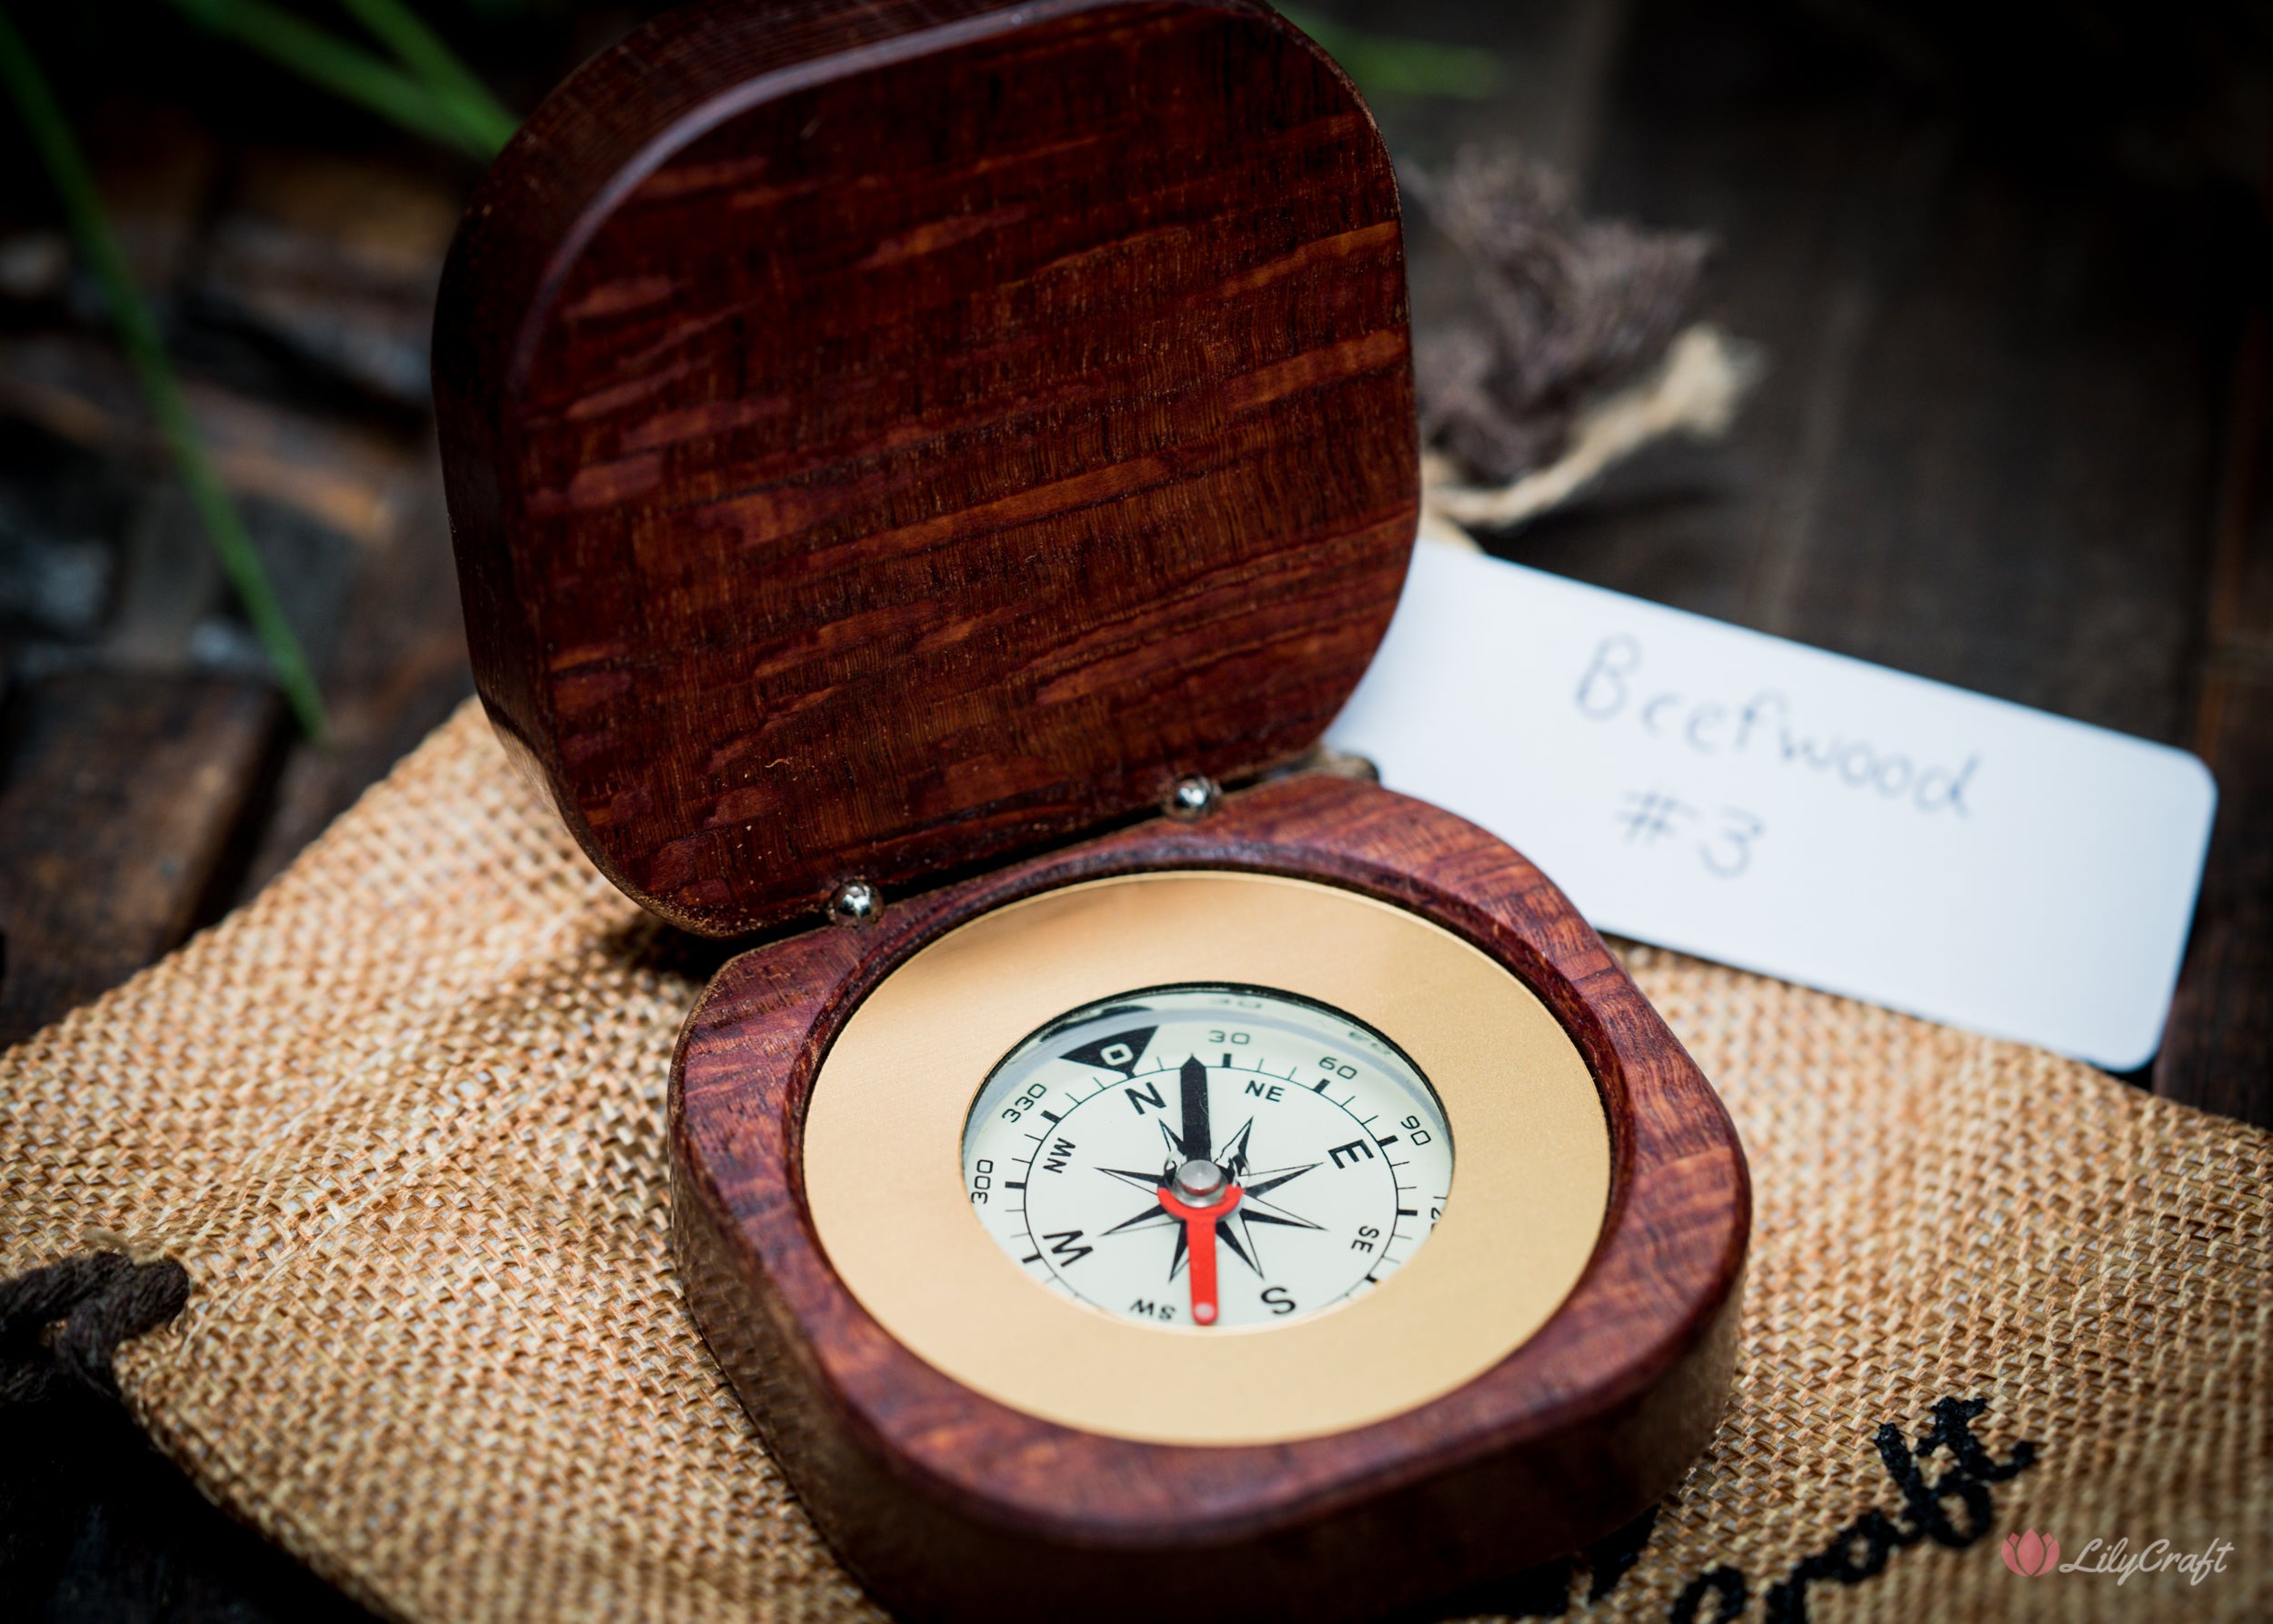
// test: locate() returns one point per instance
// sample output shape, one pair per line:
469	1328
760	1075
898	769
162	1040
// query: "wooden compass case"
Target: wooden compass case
898	443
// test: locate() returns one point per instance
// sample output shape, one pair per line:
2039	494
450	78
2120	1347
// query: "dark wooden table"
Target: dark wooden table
2012	436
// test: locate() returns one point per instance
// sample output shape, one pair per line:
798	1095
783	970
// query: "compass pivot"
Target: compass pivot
1200	1182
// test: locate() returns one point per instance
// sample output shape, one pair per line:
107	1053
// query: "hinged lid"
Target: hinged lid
885	436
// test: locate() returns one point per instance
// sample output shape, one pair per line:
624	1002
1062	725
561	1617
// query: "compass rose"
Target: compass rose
1204	1195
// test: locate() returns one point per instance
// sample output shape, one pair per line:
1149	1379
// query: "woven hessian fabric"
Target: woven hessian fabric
403	1120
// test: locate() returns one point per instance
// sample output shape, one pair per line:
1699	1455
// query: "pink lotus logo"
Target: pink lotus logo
2029	1554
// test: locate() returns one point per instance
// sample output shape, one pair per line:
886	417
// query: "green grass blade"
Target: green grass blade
422	51
1380	63
345	70
138	335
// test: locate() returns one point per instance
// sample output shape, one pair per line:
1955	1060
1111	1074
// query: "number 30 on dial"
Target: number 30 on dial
1208	1157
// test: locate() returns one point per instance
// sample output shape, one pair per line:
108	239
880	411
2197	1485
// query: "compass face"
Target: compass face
1208	1156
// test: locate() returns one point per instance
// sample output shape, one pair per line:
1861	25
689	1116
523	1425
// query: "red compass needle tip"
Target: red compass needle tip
1200	1236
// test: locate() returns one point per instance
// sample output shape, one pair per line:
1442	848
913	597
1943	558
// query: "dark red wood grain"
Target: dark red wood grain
952	1505
882	438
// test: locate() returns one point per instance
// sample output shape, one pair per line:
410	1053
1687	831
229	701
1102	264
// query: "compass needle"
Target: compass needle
1200	1197
1195	1140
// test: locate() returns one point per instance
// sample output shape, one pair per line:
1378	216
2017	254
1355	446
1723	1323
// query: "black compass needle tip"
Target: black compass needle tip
1198	1138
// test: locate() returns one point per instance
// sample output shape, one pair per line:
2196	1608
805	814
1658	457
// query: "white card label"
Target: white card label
1798	813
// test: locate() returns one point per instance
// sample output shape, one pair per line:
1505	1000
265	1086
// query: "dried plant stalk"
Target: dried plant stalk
1570	309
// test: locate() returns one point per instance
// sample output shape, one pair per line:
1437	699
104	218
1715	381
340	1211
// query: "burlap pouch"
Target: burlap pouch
401	1121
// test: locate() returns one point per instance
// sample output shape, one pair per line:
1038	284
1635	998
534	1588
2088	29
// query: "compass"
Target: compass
1289	1161
924	478
1408	1165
